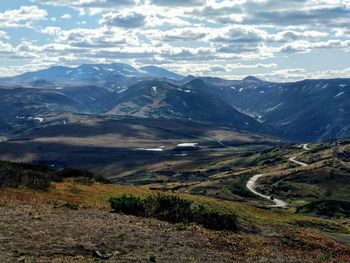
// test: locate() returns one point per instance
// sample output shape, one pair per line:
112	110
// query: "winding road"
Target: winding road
292	159
306	147
251	184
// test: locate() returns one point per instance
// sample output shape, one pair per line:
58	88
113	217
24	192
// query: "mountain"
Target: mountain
161	72
93	73
160	99
307	110
252	79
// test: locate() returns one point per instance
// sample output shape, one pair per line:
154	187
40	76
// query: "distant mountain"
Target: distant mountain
93	73
161	72
252	79
307	110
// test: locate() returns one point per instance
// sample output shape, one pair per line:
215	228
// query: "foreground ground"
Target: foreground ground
72	223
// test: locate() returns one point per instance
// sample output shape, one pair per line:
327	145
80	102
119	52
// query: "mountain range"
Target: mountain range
309	110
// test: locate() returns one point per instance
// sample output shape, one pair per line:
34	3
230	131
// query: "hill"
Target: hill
157	99
72	222
307	111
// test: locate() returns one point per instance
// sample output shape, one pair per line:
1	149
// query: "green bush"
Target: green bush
128	205
174	210
168	208
212	218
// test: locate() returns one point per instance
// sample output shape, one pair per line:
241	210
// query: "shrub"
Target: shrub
15	175
73	172
39	176
168	208
174	210
212	218
128	205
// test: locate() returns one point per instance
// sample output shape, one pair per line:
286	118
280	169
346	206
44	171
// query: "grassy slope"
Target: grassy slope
264	234
326	177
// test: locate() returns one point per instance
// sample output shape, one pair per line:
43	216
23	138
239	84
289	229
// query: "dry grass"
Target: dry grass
48	234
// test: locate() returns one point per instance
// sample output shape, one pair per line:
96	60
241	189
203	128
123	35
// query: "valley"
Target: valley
187	131
237	147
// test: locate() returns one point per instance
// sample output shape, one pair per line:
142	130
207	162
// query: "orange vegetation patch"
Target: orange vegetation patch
88	196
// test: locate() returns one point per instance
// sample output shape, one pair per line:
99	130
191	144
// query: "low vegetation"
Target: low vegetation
40	177
329	208
175	210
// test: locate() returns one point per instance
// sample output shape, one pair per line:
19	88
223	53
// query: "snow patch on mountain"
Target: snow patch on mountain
339	94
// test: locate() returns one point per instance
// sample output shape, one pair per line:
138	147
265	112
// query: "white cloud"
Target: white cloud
181	34
297	74
4	35
172	3
66	16
216	37
22	17
89	3
125	20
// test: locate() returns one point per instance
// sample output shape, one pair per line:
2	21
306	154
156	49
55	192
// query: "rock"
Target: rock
102	254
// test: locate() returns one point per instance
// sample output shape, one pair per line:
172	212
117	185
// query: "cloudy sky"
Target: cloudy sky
272	39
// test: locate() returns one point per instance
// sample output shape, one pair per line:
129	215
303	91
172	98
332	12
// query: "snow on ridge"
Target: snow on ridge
156	149
188	144
121	91
40	119
342	85
151	149
339	94
154	89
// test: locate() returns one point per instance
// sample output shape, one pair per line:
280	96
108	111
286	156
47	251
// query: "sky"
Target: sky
276	40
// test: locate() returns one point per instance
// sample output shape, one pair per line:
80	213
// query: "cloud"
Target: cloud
66	16
251	66
306	46
25	16
172	3
325	16
124	20
238	39
90	39
181	34
275	12
297	74
214	37
88	3
4	35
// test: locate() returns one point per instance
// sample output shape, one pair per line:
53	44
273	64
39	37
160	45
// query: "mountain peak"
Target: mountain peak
161	72
196	83
252	79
